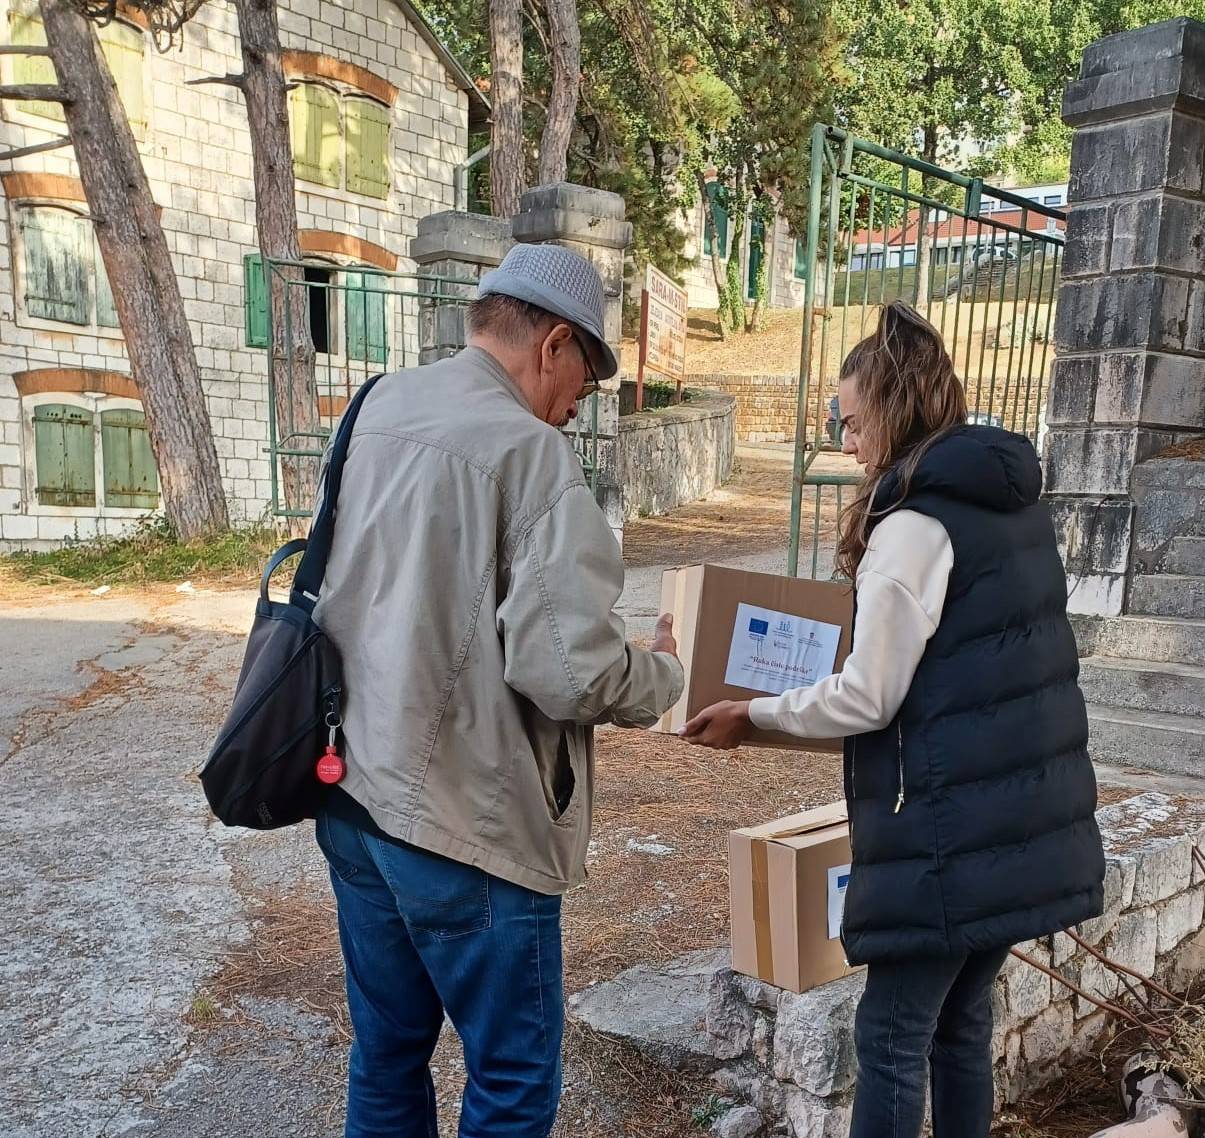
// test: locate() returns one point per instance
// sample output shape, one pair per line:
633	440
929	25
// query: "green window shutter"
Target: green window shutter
122	46
367	126
365	299
801	259
317	145
27	31
106	306
719	198
130	476
255	301
57	252
64	450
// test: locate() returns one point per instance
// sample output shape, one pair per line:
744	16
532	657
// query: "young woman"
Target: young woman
971	795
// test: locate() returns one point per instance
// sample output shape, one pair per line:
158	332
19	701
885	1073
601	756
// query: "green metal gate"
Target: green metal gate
981	263
363	320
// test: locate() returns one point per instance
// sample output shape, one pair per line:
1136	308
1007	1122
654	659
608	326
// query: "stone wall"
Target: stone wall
675	455
765	404
791	1057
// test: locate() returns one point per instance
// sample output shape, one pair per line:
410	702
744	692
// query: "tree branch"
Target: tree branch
35	92
40	148
238	81
24	49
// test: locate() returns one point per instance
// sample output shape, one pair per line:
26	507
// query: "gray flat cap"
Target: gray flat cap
559	281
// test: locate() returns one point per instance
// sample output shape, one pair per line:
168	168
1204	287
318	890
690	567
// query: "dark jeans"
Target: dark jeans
422	934
923	1017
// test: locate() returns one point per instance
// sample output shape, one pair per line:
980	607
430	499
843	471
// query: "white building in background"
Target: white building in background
954	238
380	121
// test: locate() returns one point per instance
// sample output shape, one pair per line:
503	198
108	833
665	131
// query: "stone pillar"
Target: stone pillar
590	222
1130	329
459	247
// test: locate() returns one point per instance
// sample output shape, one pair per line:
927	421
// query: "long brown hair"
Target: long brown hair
908	397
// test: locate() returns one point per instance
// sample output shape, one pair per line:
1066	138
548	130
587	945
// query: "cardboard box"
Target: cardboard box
787	894
742	635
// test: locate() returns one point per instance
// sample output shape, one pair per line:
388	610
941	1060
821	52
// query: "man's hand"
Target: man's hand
722	726
663	637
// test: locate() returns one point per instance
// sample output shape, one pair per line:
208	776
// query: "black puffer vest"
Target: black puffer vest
972	814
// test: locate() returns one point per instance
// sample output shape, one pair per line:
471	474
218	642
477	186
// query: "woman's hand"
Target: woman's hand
723	726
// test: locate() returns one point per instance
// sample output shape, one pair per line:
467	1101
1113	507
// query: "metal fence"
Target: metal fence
362	321
981	263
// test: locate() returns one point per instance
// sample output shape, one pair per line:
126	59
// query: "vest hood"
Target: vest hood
983	466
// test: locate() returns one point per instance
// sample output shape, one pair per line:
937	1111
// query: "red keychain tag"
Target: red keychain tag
331	767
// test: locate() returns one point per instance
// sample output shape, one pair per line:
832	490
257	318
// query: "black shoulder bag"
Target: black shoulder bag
277	752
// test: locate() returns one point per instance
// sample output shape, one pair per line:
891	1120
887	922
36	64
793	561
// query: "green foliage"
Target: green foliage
150	553
935	75
669	90
706	1114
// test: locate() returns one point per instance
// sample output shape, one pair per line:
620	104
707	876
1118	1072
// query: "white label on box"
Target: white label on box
838	881
775	651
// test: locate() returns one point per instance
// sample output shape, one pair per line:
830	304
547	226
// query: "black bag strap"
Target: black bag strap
308	580
275	561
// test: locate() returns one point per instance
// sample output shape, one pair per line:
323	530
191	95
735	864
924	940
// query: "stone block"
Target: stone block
1117	158
1046	1037
1136	228
729	1019
1026	988
1072	394
1093	533
1138	72
1186	965
1087	248
813	1037
1178	918
1181	234
1085	460
740	1122
660	1010
452	235
1095	930
1134	943
1095	979
1138	310
1163	868
1088	1033
812	1117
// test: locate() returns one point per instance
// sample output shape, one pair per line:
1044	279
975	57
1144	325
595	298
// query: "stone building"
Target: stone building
780	250
380	122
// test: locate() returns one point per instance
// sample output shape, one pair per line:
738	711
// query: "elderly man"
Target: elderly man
471	592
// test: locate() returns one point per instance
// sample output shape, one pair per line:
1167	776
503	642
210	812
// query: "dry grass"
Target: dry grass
637	907
751	514
1008	380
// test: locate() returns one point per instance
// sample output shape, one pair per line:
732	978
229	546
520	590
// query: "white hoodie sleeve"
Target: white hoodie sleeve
901	590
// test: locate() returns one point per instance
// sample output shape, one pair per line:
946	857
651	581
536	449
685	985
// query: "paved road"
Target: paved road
122	900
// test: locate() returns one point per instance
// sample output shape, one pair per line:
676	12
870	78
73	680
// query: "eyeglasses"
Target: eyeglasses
591	384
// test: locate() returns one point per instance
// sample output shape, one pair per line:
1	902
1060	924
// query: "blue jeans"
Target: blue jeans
422	934
926	1021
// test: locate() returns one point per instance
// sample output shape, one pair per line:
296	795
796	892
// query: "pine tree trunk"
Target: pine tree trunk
292	350
157	336
507	173
566	49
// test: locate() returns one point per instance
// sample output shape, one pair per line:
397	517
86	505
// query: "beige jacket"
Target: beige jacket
471	591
